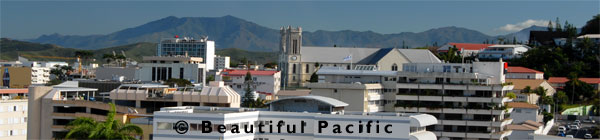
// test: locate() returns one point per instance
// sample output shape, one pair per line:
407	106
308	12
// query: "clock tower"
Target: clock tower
290	57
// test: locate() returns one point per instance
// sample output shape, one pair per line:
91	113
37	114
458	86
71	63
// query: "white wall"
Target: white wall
520	115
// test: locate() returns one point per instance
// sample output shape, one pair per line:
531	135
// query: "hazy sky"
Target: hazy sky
30	19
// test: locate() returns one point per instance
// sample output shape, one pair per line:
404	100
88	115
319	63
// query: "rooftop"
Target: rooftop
145	85
293	92
515	69
468	46
565	79
522	105
362	55
327	100
508	46
523	83
236	72
590	36
520	127
14	91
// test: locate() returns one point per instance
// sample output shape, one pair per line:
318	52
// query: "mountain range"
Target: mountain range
232	32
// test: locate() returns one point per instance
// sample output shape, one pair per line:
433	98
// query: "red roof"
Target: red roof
512	69
470	46
565	79
14	91
234	72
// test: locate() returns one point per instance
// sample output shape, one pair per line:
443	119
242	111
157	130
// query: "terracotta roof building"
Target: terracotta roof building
514	72
266	82
559	82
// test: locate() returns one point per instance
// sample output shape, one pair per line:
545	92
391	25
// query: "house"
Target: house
515	72
523	111
560	82
503	51
466	49
525	130
530	97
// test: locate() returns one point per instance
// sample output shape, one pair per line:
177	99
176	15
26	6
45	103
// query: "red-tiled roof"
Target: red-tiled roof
522	105
234	72
470	46
512	69
14	91
565	79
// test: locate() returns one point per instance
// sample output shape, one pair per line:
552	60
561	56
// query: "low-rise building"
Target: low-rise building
503	51
110	73
163	68
292	93
560	82
465	49
222	62
520	86
266	82
523	73
153	96
297	119
523	111
525	130
13	114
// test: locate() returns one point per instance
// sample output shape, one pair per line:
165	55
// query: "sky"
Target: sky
29	19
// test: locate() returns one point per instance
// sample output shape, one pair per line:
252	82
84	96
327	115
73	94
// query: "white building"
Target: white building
465	49
523	73
13	114
468	99
40	75
290	119
266	82
523	111
526	130
163	68
222	62
187	46
503	51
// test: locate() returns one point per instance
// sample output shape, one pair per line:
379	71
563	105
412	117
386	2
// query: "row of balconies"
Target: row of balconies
454	110
452	99
476	135
491	123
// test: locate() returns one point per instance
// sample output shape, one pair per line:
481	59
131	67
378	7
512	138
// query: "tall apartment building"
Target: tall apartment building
468	99
303	113
187	46
163	68
13	114
222	62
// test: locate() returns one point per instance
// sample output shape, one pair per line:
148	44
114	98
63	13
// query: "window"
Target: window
335	91
180	73
307	68
347	67
14	108
447	69
294	69
164	126
295	46
394	67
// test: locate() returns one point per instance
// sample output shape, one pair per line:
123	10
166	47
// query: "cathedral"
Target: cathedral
297	63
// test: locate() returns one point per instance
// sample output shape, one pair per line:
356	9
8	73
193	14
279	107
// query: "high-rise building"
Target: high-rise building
187	46
468	99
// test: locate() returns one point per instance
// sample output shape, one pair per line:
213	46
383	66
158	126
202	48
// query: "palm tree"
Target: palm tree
88	128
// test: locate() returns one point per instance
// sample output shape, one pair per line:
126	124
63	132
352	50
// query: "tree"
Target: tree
248	99
527	89
550	27
84	54
579	90
452	56
591	26
558	28
88	128
270	65
314	78
210	78
561	97
179	82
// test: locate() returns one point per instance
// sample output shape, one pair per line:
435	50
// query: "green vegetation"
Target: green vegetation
248	99
511	95
180	82
88	128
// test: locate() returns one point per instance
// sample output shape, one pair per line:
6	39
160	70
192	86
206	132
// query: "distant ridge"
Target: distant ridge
232	32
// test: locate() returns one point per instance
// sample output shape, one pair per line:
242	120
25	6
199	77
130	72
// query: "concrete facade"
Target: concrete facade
187	46
13	114
222	62
162	68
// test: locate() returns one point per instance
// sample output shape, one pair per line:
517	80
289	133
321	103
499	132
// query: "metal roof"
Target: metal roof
362	55
145	85
341	71
327	100
419	56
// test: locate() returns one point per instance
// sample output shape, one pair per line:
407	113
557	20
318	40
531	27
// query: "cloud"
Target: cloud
522	25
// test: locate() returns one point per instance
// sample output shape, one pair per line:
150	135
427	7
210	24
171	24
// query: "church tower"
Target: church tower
289	59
